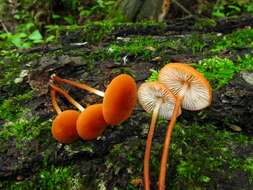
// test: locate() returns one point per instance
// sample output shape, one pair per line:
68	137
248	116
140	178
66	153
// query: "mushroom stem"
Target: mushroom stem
78	85
54	102
67	96
149	143
163	168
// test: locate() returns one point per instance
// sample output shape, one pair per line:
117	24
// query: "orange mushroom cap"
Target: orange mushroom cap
120	99
91	124
64	126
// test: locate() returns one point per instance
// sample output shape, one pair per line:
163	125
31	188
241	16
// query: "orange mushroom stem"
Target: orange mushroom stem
149	144
166	145
192	90
78	85
67	96
54	102
155	98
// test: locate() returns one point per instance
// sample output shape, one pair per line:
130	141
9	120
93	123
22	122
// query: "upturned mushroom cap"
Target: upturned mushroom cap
150	93
64	126
120	99
198	93
91	124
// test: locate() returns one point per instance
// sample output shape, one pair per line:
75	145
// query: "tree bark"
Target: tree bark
136	10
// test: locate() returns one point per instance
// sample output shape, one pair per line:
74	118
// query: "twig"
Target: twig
4	27
182	7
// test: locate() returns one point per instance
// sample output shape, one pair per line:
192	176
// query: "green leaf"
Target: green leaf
17	41
35	36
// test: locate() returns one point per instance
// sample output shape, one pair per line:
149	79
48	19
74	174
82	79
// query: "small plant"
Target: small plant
25	36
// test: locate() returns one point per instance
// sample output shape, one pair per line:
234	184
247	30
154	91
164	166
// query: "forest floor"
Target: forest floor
211	149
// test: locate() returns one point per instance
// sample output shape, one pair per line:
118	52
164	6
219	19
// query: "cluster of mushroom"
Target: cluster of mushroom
178	85
119	100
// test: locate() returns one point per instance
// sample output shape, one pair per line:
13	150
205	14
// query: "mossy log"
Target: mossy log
115	159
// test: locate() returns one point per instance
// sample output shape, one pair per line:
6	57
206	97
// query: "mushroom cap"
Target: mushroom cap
64	126
90	123
149	93
120	99
198	94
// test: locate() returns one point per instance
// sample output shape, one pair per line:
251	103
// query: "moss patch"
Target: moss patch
54	178
203	155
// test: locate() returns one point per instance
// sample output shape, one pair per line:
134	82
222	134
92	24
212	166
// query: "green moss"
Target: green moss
245	63
18	120
217	70
23	130
139	46
11	65
13	108
202	155
58	178
242	38
49	179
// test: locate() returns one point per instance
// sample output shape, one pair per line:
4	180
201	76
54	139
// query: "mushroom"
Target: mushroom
64	125
119	98
155	98
89	124
192	91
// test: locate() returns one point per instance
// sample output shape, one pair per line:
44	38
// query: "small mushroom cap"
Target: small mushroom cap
149	93
64	126
120	99
198	94
91	124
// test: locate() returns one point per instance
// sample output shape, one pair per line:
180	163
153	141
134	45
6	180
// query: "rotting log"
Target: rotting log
231	107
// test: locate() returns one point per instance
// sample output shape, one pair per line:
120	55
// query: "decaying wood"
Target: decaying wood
232	105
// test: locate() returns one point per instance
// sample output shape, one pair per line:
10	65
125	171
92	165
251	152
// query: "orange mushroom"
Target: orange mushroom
89	124
119	100
192	90
155	98
64	125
